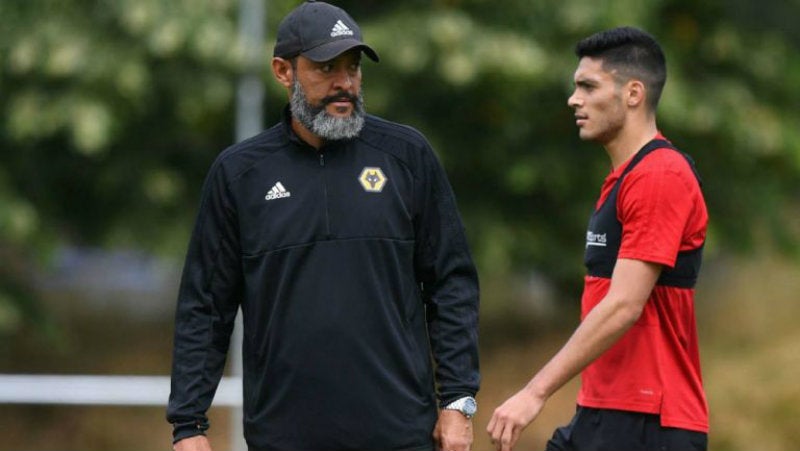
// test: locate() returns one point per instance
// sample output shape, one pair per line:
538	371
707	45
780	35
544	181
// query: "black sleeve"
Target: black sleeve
208	299
449	281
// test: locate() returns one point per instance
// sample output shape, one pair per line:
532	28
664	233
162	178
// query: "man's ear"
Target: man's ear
283	71
636	93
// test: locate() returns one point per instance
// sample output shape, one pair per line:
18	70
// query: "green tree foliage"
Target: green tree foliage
489	81
111	111
111	114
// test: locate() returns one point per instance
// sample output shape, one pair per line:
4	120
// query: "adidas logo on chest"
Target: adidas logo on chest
277	192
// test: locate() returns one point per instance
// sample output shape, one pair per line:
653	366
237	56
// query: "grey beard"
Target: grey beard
322	124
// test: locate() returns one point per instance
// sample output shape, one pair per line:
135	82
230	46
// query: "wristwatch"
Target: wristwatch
466	405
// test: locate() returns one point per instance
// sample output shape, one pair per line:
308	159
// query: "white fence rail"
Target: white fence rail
102	390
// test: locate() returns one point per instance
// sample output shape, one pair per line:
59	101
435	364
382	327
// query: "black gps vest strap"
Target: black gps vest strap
604	235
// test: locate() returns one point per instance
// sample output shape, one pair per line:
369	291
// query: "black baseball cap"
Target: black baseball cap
320	32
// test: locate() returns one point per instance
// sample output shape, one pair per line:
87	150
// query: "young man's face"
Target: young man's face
597	101
326	96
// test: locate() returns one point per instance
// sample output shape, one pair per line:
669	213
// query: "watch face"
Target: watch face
470	406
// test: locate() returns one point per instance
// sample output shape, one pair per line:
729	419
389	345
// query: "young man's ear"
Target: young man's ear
283	71
636	93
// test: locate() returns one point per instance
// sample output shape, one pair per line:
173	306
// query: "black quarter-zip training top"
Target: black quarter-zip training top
351	268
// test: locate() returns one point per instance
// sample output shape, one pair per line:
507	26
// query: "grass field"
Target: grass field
750	346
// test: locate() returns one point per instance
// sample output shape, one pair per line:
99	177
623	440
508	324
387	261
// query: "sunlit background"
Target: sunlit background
112	111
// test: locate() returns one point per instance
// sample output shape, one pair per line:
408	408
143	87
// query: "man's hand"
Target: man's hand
512	417
453	431
195	443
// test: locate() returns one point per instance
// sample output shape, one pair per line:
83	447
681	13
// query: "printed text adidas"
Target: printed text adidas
277	192
340	29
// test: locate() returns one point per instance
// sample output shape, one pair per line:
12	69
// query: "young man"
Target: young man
337	232
636	347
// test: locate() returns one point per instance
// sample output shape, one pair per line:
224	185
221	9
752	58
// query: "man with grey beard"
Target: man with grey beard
319	121
338	234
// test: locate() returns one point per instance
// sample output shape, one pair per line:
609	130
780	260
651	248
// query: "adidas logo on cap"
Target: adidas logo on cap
340	29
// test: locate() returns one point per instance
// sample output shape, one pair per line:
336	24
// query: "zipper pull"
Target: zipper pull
322	159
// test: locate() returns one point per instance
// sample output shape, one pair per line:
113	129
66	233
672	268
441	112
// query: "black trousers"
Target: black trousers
616	430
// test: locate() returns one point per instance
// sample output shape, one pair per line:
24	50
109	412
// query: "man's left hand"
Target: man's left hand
453	431
512	417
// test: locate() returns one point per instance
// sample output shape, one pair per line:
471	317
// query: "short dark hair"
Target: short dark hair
632	53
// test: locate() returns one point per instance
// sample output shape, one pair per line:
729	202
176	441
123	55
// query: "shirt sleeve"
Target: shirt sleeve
449	281
654	206
208	299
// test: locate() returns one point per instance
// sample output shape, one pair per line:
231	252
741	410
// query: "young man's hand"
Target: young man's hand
512	417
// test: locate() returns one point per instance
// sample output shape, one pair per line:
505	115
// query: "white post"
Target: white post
250	92
59	389
249	122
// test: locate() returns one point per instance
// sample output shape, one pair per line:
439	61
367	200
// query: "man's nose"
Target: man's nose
343	79
573	101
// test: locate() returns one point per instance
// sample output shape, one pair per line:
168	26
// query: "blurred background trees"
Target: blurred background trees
112	111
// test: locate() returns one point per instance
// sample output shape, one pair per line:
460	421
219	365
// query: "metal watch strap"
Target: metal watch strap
466	405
